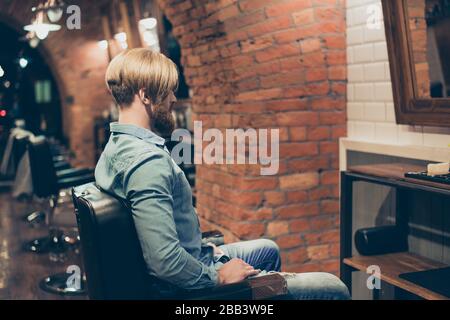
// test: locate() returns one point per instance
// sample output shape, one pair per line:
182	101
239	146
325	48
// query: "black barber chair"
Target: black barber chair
20	147
18	150
63	171
114	263
47	183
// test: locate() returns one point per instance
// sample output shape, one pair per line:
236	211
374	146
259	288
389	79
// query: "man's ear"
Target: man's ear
144	98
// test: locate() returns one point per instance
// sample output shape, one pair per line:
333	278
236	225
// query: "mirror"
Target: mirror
418	39
429	23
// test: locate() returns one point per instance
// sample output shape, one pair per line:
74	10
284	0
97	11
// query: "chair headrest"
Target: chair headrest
43	173
105	206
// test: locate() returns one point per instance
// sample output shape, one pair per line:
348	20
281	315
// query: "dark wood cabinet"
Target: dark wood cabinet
408	193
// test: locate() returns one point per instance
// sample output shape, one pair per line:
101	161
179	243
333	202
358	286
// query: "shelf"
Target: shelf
394	173
394	264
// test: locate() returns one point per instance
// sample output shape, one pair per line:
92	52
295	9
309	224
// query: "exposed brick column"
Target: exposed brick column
270	64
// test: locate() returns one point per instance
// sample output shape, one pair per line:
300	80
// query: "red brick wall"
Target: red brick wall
271	64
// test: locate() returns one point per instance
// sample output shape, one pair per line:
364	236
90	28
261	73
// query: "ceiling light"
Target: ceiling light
121	38
41	27
54	10
103	44
2	72
32	39
34	42
148	23
149	33
23	63
54	15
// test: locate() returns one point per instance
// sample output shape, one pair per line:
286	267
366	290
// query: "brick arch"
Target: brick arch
78	67
14	24
270	64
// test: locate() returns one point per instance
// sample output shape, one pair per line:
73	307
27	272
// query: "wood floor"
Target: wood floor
20	271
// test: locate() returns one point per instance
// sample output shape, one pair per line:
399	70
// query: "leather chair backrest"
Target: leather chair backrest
43	173
112	256
19	148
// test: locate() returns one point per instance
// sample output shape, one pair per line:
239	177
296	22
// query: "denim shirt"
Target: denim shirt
136	167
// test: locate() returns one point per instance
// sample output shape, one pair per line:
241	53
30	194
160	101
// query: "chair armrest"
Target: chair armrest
213	236
257	288
74	172
75	181
61	165
58	158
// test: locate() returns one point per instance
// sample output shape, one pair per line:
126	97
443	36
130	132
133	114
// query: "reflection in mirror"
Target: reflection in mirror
429	22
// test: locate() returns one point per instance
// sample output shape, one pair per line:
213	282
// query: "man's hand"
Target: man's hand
235	270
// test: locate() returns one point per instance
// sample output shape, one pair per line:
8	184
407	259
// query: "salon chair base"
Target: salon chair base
39	217
35	218
58	284
54	244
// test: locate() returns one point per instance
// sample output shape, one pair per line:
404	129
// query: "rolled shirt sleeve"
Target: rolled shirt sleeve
148	188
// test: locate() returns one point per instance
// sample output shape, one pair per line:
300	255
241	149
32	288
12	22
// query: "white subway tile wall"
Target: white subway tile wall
370	107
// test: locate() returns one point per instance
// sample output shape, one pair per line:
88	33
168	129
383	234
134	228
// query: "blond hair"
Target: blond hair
137	69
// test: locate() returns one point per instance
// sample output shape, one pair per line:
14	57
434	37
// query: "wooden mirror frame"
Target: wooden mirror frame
409	108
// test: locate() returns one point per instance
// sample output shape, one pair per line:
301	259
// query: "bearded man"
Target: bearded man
137	167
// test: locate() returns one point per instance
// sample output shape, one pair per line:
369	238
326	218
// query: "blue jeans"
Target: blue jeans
264	254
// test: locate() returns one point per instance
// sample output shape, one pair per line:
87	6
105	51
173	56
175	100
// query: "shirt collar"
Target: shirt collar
138	132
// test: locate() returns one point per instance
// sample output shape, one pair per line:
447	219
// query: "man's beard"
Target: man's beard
162	121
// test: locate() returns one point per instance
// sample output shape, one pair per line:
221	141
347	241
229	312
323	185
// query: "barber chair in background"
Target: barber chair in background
47	184
23	184
14	151
114	263
20	148
15	166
